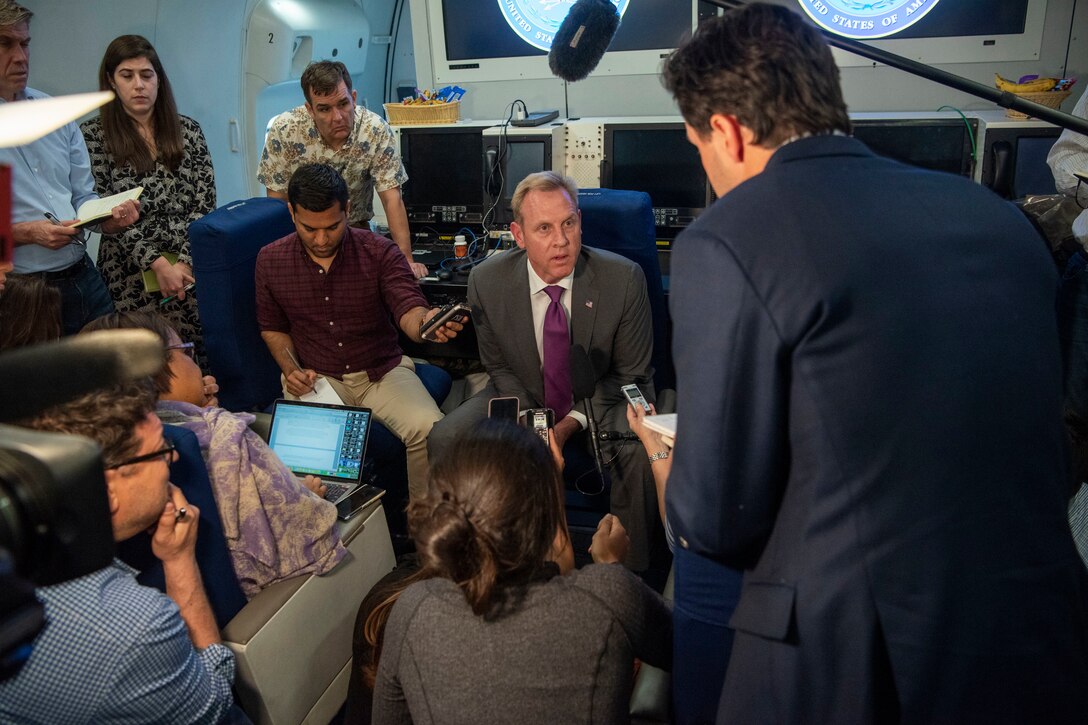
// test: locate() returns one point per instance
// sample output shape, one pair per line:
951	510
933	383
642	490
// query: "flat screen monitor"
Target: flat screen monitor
445	174
490	40
950	31
659	160
1014	160
935	144
516	158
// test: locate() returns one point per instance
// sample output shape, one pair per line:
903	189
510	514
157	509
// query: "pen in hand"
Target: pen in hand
187	288
77	238
294	361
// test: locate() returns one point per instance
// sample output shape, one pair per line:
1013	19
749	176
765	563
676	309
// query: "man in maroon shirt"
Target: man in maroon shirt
329	301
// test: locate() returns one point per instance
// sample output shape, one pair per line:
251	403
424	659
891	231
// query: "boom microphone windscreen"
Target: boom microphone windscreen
39	377
582	39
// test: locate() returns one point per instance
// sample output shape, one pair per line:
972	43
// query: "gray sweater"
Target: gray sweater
565	655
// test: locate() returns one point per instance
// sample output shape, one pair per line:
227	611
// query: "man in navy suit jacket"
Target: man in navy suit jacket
869	400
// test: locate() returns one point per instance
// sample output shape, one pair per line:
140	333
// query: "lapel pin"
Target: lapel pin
589	304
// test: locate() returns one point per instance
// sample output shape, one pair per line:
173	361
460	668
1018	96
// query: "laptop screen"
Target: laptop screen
321	440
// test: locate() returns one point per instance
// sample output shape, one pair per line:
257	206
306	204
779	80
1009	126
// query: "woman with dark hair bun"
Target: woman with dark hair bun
550	648
140	139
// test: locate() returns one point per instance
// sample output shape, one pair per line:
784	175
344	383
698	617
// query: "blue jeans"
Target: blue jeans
83	295
1073	333
705	593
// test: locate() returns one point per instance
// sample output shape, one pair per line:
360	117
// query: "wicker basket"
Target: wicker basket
1050	99
399	114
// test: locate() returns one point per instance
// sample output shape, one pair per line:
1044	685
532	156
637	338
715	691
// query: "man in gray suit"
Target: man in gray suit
605	310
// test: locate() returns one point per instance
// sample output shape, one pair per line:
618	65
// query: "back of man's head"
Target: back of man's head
764	65
542	181
323	77
108	417
12	13
316	187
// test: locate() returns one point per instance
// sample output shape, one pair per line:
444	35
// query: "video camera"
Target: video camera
54	511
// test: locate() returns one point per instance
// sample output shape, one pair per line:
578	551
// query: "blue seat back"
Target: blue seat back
224	245
623	222
190	474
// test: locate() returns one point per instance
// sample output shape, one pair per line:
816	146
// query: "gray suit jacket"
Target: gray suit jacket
610	318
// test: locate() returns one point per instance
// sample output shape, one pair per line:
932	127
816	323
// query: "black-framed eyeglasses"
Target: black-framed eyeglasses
167	454
186	348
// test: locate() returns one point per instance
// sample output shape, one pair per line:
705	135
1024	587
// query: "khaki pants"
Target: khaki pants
401	404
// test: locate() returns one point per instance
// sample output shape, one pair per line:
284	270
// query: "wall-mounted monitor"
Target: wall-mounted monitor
493	40
1012	155
512	154
939	144
445	168
657	158
950	31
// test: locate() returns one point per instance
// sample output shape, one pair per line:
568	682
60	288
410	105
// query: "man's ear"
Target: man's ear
729	136
309	109
354	96
519	234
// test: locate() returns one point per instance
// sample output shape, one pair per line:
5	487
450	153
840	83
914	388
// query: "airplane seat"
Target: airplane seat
292	642
189	474
224	246
622	222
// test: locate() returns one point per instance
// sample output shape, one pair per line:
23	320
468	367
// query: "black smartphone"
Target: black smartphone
455	312
540	420
635	397
504	409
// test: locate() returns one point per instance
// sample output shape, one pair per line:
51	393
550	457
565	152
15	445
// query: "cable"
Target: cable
394	30
970	134
504	146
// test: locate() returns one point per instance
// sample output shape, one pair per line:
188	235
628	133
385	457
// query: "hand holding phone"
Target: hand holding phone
635	397
459	312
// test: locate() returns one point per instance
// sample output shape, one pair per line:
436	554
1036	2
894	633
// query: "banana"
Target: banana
1039	85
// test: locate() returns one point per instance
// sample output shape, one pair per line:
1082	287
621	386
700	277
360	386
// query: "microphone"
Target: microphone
582	38
41	376
584	385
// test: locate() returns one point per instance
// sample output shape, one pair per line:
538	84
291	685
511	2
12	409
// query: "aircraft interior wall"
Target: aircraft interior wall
202	43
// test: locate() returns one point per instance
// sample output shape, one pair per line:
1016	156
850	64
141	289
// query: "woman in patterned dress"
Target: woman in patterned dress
139	139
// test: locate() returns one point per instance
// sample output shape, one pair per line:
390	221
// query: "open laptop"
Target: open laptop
327	441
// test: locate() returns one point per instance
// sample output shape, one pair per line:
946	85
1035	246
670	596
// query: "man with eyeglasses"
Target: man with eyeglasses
115	650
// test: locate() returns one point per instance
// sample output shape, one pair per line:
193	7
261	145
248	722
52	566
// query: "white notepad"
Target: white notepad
665	424
95	210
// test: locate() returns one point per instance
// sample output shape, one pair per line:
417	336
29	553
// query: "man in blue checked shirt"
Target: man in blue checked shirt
113	650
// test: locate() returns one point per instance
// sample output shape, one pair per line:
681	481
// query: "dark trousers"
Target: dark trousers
705	593
83	294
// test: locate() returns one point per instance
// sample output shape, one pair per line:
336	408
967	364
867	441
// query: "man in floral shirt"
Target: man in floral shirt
331	129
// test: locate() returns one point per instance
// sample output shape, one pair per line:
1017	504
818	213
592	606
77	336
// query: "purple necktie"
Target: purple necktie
557	389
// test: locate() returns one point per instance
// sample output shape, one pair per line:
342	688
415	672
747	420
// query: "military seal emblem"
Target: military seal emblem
535	21
865	20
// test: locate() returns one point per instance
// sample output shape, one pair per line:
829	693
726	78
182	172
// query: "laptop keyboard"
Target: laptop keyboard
334	491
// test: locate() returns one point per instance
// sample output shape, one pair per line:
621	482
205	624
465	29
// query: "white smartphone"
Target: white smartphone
635	397
504	408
